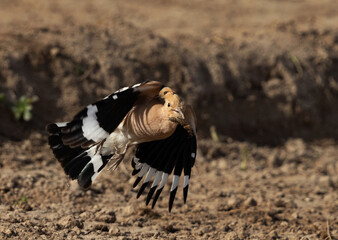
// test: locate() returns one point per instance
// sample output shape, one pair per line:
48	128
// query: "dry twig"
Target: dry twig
328	230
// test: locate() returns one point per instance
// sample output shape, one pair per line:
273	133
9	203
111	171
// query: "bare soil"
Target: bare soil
263	73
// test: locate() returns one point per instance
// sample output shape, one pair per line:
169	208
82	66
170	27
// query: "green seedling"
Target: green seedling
297	64
2	97
214	134
22	109
23	199
244	158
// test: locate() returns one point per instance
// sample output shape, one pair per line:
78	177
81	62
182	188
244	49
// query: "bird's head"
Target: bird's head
172	105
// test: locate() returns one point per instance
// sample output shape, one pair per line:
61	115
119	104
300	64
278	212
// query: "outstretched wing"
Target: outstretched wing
158	159
73	143
98	120
95	122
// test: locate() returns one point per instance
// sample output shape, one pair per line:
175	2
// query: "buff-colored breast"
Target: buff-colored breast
149	122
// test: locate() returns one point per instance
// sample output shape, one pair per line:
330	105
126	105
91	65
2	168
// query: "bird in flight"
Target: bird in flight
149	116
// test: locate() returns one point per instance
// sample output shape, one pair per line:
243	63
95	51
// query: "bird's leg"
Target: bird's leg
99	146
117	158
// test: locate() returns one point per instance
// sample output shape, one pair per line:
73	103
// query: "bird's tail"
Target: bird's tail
83	164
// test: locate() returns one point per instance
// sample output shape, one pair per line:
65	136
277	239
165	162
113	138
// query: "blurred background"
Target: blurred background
262	76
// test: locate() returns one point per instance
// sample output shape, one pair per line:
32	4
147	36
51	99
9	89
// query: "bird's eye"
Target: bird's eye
168	104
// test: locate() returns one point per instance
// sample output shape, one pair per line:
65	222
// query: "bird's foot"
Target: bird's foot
117	158
115	162
99	146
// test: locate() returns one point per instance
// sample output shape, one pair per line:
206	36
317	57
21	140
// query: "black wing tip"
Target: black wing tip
52	128
138	179
157	194
141	190
84	184
185	193
84	178
75	166
135	171
54	140
150	194
172	198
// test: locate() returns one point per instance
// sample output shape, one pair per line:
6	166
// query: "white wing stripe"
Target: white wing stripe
121	90
138	166
186	181
157	178
97	162
94	176
174	185
92	109
150	174
164	180
91	128
61	124
136	160
144	169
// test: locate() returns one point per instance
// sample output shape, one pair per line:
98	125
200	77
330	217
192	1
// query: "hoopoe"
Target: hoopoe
149	116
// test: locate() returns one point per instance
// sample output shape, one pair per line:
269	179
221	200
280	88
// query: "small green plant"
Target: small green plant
244	158
23	199
2	97
214	134
22	109
297	64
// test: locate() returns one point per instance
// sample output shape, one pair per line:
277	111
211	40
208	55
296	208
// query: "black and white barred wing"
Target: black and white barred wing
98	120
74	143
158	159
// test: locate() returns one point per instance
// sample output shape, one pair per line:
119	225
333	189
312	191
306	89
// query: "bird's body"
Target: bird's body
148	122
149	116
141	124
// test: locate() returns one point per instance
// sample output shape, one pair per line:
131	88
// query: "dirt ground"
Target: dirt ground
263	74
